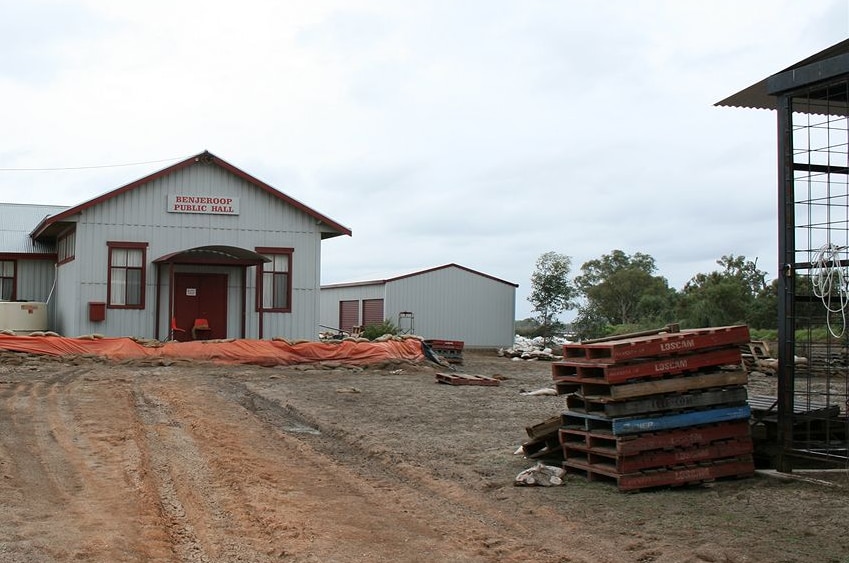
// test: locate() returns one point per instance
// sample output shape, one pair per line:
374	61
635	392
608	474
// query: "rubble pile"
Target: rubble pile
533	349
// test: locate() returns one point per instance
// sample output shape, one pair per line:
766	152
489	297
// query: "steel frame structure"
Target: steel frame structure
813	247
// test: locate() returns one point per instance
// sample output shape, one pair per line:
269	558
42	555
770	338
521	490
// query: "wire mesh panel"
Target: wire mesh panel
816	226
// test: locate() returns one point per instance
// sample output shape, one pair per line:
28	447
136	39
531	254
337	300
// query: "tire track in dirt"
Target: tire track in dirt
66	452
467	517
299	501
169	460
48	470
37	479
456	515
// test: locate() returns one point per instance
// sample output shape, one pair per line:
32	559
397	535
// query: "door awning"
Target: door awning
220	255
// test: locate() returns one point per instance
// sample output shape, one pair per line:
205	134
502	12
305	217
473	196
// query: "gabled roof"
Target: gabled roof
826	64
17	223
50	226
417	273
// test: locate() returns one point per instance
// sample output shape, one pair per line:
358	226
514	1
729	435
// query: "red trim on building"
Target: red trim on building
28	256
205	157
260	272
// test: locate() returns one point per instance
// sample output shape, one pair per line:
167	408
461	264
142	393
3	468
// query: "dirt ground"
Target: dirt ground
199	462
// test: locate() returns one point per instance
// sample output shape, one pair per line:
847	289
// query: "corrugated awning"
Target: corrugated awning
826	64
231	255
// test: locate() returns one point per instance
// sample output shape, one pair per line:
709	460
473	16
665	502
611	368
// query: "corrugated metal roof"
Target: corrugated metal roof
762	95
417	273
330	228
18	222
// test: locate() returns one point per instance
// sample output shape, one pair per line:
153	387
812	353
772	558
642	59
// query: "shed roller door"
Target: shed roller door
348	315
372	311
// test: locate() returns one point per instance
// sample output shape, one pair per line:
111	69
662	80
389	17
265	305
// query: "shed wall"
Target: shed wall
332	296
453	304
447	303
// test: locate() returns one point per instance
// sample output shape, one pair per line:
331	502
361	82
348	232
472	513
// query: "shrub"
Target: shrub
373	331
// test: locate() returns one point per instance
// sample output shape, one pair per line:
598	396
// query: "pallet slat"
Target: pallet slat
601	391
640	424
587	371
687	475
657	403
661	345
634	444
658	459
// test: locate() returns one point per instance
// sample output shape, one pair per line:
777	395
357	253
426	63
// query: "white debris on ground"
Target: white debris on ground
537	392
534	349
541	475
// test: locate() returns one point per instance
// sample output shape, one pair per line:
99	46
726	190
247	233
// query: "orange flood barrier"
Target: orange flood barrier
257	352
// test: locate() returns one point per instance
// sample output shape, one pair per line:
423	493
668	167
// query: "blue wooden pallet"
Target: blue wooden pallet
635	425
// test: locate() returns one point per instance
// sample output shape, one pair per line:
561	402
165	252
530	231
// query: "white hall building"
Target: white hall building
197	242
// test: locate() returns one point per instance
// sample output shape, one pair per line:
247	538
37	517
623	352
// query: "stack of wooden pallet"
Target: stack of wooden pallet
450	350
656	410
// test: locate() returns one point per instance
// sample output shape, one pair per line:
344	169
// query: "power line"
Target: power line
57	168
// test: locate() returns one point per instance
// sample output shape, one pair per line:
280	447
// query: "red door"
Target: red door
200	296
372	312
349	315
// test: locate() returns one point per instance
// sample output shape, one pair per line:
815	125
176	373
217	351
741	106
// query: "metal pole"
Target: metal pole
786	283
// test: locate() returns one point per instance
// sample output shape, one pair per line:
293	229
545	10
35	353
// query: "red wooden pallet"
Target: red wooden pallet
456	345
581	371
658	459
686	475
466	379
634	444
675	384
659	345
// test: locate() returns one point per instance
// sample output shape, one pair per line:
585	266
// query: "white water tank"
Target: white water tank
23	316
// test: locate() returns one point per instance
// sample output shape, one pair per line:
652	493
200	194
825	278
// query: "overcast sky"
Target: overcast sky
483	133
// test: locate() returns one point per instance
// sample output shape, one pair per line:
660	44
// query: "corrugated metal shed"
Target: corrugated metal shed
821	66
18	221
449	302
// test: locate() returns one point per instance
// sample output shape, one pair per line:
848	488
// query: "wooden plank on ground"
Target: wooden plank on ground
466	379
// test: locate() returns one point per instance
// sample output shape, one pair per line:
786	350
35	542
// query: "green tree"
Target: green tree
552	292
764	313
623	290
526	327
725	297
590	323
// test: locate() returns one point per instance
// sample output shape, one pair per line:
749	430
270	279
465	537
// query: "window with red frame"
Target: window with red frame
66	246
126	275
7	280
276	280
